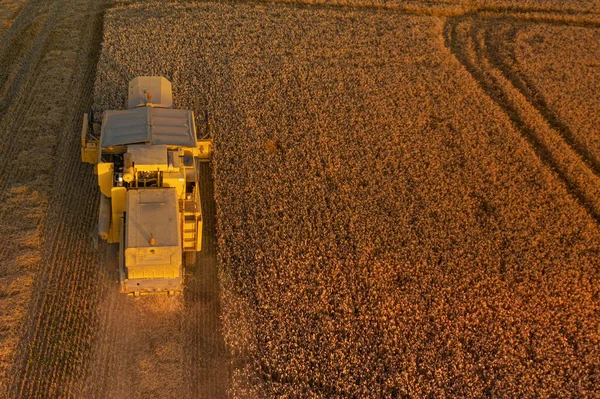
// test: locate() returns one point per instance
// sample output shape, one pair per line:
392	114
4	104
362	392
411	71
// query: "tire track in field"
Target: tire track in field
8	13
25	46
528	89
465	38
207	360
19	132
27	95
22	17
53	347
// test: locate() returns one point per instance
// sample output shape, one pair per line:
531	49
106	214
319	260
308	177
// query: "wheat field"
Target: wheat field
561	67
404	200
384	229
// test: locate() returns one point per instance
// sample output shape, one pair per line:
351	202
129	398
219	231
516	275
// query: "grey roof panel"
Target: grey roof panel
143	154
148	125
172	127
123	127
152	212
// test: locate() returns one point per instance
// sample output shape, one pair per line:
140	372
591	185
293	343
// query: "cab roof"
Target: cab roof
146	124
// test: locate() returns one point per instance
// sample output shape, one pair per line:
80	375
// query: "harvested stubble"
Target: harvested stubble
384	230
8	12
47	265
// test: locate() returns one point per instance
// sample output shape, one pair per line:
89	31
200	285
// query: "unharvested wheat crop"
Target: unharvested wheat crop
561	65
436	7
383	228
462	6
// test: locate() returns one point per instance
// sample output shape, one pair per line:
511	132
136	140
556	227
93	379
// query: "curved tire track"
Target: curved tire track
529	90
465	37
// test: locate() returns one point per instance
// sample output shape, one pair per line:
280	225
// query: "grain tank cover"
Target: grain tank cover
149	157
150	89
153	213
153	253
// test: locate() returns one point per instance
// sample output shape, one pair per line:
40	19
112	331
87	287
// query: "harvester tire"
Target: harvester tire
190	260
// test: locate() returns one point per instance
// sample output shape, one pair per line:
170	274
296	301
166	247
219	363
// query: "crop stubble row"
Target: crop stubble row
24	193
48	64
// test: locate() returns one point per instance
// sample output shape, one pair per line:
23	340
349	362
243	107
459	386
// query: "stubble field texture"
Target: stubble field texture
47	267
385	226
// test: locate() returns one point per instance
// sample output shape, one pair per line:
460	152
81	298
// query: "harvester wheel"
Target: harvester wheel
190	260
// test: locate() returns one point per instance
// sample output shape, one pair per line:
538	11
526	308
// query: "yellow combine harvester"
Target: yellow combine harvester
146	159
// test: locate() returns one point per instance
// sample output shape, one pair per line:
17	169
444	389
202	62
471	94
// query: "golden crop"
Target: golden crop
387	224
560	66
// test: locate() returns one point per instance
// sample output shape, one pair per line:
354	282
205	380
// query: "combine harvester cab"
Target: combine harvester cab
146	159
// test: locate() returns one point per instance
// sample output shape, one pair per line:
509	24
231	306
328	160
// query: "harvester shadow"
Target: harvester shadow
207	360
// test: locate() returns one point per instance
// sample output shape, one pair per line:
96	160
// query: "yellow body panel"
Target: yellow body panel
153	253
199	239
105	177
119	204
89	150
203	150
175	180
156	262
89	153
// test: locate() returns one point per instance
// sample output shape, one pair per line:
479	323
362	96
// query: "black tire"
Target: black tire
190	260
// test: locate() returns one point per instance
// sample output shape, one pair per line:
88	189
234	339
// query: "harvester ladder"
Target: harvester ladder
190	225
